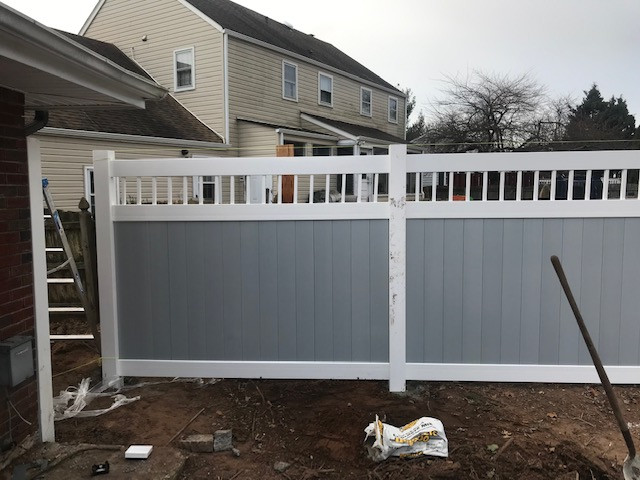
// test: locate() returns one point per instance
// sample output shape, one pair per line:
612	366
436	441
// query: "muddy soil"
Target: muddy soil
540	431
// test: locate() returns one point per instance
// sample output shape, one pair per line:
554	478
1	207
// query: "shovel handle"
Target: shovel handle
613	400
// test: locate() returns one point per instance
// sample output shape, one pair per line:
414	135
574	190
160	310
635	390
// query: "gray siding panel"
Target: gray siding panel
254	291
492	285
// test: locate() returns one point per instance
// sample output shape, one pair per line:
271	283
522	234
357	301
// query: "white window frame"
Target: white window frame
89	193
198	187
295	66
176	88
392	120
362	112
320	102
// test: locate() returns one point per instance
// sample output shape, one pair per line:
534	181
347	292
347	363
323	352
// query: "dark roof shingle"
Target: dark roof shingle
242	20
164	118
359	130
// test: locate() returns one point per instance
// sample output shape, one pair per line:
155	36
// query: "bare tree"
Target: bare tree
489	112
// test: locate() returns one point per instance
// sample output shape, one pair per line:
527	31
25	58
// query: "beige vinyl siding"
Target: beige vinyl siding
64	159
256	140
255	91
168	26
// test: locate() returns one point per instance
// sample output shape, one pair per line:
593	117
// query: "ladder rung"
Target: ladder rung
66	309
54	249
71	337
59	280
46	216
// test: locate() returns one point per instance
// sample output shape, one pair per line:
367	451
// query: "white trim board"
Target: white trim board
239	369
126	138
250	212
91	18
40	295
457	372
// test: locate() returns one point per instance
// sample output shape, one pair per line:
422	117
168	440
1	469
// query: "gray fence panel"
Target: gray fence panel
610	308
629	325
472	284
416	314
214	292
512	260
253	290
591	282
434	295
525	317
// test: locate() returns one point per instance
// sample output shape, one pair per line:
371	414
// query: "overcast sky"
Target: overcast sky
565	44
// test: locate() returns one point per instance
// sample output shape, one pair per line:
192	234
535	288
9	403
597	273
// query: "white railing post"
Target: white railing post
106	197
397	267
40	294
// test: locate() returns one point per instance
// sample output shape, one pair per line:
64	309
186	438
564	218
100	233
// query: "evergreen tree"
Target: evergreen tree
597	124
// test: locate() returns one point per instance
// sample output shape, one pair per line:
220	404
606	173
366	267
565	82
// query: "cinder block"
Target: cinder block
198	443
223	440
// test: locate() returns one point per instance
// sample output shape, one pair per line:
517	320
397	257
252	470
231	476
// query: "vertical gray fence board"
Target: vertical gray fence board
611	291
305	297
571	256
288	302
591	284
453	294
135	338
379	297
195	324
250	268
416	311
268	270
630	310
550	294
178	293
434	291
232	288
472	285
156	242
214	288
512	257
341	291
493	237
323	322
532	264
361	290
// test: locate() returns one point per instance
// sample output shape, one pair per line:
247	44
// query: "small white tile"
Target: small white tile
138	451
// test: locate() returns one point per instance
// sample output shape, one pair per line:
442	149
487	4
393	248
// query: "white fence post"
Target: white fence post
106	197
397	267
40	294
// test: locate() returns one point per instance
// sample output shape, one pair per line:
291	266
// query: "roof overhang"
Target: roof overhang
53	71
346	137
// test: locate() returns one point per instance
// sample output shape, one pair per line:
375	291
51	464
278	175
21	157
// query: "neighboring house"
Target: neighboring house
42	70
257	82
164	129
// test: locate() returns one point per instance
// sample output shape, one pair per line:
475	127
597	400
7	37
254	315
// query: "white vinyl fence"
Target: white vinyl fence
451	281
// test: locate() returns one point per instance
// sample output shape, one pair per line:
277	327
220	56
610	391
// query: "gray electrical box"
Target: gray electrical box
16	360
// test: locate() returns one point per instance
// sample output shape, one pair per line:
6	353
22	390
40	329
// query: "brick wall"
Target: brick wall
16	282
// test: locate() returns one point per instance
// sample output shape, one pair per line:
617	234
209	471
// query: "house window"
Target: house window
184	67
89	189
393	109
325	89
365	101
205	186
289	81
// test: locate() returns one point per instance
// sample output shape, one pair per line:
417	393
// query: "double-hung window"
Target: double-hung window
184	69
366	96
289	81
325	89
393	109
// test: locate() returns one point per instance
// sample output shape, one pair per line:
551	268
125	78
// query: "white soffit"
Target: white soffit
53	71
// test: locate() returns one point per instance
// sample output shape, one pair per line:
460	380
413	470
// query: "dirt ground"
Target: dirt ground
541	431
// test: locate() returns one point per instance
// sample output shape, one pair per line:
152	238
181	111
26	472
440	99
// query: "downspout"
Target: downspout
225	76
39	122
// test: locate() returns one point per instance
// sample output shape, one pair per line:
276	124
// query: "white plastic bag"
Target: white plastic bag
424	436
80	398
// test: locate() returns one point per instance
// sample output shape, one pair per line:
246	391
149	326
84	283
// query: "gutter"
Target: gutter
122	137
